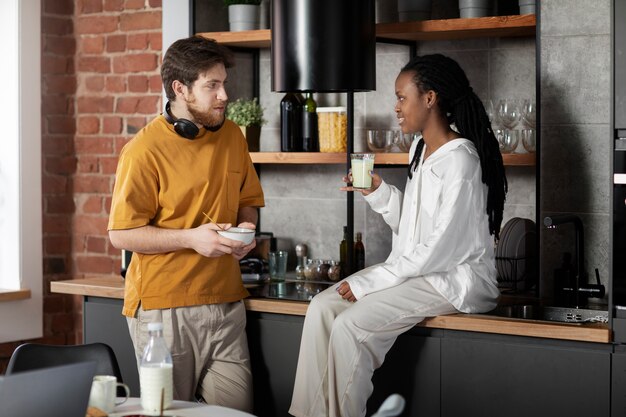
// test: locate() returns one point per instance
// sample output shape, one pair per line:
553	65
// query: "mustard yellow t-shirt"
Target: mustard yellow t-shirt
167	181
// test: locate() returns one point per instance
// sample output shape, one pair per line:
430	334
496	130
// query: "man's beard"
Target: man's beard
206	119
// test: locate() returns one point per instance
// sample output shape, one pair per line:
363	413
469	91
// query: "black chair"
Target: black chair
31	356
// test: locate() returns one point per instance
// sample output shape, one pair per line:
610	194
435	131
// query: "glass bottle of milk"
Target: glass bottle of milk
156	372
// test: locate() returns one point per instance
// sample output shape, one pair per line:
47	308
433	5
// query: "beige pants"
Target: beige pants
343	343
209	350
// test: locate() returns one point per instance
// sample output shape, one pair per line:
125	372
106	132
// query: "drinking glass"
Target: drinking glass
380	140
362	164
529	114
508	113
404	140
509	140
529	140
492	114
278	265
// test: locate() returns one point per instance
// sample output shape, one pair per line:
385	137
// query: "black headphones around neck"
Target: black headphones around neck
185	128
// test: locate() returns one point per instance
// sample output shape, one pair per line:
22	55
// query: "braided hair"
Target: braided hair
457	100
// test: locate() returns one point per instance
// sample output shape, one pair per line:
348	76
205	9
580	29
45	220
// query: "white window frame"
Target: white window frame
21	253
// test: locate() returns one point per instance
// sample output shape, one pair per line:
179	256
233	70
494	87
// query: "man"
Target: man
184	163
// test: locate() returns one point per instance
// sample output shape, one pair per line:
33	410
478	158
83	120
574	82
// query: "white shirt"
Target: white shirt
440	231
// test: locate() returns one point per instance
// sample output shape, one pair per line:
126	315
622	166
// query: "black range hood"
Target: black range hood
323	45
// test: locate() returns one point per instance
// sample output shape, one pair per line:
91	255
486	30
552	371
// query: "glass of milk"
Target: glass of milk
362	164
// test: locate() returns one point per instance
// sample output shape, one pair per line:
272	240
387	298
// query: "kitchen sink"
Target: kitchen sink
560	314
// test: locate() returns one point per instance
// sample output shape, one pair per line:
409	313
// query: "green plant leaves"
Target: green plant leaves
245	112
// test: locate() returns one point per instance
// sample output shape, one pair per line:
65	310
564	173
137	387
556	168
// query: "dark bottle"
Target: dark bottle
359	252
310	141
343	253
290	123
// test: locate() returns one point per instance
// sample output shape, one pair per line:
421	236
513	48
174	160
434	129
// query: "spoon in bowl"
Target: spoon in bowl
212	221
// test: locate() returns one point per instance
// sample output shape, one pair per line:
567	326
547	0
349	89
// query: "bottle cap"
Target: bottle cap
155	326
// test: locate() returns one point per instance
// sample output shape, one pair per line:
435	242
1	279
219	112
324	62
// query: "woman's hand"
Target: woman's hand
345	292
376	181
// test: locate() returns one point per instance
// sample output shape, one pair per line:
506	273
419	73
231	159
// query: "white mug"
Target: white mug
103	393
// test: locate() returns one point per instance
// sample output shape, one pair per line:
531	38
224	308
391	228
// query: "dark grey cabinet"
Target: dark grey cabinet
412	369
274	342
441	373
103	322
493	375
618	382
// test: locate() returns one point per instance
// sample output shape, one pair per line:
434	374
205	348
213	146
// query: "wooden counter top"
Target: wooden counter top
113	287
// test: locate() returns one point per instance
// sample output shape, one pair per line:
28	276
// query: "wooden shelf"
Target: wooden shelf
13	295
492	26
478	27
322	158
519	159
243	39
526	159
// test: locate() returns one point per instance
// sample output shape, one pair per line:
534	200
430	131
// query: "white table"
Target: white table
180	409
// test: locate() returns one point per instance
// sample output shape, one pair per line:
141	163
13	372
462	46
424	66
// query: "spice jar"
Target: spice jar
334	272
332	123
310	270
301	255
322	270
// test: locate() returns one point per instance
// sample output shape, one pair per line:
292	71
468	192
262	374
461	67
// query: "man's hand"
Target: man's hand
205	240
239	253
345	292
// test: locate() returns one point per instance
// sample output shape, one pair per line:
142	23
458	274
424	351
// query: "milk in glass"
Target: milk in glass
362	164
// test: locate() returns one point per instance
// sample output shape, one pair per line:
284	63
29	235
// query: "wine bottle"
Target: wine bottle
359	252
310	141
343	253
290	123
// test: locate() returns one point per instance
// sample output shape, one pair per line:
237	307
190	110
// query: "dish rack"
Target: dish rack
511	272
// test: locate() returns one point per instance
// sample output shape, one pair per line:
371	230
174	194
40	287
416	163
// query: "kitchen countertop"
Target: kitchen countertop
113	287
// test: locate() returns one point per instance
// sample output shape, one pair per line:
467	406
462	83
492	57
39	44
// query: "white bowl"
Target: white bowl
238	233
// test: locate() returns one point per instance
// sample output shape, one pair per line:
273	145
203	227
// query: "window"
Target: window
20	169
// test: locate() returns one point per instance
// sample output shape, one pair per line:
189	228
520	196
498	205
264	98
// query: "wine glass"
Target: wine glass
508	140
491	113
529	114
529	140
508	113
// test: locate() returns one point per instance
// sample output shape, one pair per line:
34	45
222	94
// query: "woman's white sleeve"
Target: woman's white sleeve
387	201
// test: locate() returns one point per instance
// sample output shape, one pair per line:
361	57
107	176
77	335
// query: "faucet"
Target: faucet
551	222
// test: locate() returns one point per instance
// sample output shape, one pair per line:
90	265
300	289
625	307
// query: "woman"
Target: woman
442	259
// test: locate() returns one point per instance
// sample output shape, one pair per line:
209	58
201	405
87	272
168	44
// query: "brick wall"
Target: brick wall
100	85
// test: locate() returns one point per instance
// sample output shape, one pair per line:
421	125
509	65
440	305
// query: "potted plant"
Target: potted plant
243	14
248	114
412	10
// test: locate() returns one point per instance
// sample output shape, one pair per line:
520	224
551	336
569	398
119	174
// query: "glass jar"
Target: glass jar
332	123
334	272
302	260
322	270
310	270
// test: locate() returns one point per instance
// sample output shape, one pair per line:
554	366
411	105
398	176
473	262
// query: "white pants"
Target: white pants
209	349
343	343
